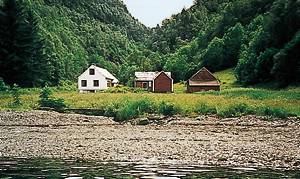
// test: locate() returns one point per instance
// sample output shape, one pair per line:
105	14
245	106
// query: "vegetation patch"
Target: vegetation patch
129	109
205	109
273	112
168	109
47	101
236	110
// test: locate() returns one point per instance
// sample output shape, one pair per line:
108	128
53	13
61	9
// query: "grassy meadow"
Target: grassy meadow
231	96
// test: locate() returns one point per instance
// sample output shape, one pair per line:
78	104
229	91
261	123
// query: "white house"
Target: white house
95	79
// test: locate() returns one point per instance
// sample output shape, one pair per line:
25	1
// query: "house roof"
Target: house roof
203	78
105	73
149	76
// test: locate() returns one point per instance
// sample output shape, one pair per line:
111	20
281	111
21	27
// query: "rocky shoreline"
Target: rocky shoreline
247	141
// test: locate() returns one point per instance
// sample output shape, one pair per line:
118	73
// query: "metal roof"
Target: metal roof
148	76
105	73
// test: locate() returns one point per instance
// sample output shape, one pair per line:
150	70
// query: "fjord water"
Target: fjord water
76	169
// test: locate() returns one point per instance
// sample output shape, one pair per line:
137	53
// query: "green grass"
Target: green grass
287	100
227	79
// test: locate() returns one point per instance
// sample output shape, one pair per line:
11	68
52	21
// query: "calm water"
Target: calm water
74	169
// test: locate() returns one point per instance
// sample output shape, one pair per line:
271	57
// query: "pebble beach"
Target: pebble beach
248	141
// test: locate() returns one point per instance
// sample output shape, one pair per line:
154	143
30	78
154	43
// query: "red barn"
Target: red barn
159	82
203	80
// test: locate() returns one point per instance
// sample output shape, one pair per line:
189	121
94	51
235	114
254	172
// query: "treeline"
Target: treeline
47	42
259	38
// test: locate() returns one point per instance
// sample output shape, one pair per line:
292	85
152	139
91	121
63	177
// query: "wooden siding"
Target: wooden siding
203	80
139	84
163	84
193	89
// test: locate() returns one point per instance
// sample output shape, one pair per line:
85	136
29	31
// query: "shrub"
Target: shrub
15	91
168	109
236	110
273	112
67	85
111	110
139	90
143	122
129	109
47	101
205	109
3	86
118	89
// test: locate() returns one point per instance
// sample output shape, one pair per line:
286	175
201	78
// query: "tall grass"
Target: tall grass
232	101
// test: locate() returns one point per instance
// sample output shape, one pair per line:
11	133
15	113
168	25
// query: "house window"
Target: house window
96	83
92	71
83	83
109	82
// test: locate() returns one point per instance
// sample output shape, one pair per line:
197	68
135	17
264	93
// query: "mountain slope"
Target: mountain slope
258	37
78	33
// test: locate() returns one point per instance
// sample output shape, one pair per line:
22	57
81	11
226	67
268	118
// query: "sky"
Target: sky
153	12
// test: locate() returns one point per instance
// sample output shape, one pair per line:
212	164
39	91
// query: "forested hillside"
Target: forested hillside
259	38
74	34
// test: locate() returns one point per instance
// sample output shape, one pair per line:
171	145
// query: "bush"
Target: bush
144	122
129	109
167	109
111	110
67	85
118	89
3	86
205	109
236	110
273	112
47	101
139	90
15	91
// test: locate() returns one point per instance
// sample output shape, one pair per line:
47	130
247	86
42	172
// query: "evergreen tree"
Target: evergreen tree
22	59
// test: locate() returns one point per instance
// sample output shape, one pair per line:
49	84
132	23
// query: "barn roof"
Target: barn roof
149	76
203	78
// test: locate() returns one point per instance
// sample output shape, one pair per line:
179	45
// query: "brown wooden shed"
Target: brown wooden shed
159	82
203	80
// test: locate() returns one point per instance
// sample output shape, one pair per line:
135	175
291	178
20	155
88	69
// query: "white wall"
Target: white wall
90	81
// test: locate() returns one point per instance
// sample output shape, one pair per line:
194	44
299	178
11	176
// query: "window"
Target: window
96	83
109	83
83	83
92	71
145	85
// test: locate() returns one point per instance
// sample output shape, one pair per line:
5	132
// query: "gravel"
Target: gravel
243	142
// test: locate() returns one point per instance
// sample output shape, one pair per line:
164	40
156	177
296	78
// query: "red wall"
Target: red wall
163	84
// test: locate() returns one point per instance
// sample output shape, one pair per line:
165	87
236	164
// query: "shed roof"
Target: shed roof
203	78
149	76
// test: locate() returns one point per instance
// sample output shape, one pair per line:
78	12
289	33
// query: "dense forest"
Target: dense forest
47	42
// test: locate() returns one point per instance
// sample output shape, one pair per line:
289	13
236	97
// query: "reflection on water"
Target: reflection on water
75	169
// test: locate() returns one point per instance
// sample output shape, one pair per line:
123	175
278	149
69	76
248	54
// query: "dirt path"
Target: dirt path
247	141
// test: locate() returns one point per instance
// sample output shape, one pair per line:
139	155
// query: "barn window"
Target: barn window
83	83
92	71
96	83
